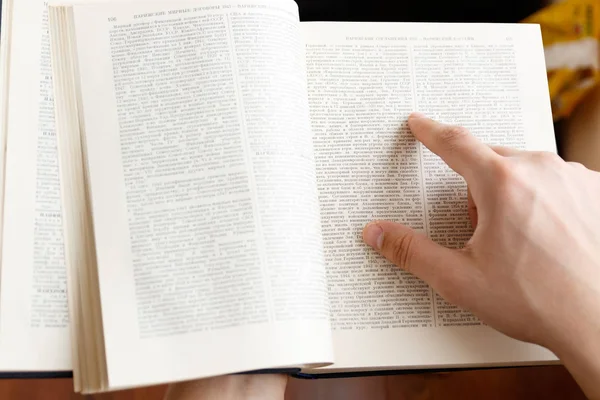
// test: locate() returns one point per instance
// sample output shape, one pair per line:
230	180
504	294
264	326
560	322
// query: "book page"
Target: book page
34	319
5	29
364	80
203	188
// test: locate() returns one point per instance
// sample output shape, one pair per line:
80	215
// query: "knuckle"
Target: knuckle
509	178
576	165
403	247
545	157
504	171
452	135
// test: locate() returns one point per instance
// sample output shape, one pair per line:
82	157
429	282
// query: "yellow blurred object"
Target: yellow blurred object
571	36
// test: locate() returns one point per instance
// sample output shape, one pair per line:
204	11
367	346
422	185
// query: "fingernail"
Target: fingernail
373	235
416	115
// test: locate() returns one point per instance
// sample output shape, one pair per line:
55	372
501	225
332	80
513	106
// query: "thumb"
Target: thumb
414	252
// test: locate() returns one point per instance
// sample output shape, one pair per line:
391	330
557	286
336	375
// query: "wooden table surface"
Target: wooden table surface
547	383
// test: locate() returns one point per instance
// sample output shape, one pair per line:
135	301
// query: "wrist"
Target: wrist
579	351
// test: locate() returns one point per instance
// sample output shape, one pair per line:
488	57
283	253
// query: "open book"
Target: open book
34	319
218	161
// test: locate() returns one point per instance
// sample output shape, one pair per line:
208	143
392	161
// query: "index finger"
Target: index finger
462	151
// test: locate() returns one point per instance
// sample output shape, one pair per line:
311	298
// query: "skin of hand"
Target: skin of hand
532	267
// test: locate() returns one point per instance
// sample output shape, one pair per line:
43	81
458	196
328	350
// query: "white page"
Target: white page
34	332
364	80
5	79
205	213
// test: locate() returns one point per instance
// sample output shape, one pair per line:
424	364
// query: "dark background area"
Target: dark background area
418	10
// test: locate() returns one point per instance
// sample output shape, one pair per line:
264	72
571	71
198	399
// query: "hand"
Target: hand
532	266
231	387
